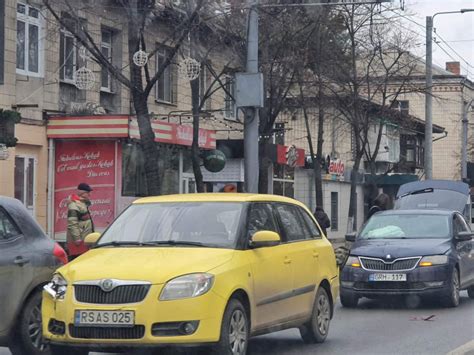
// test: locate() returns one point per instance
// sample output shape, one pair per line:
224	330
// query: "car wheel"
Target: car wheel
451	299
234	330
317	329
470	292
349	300
62	350
28	335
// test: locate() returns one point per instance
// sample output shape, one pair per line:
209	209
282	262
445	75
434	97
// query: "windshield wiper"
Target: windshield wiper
118	244
180	242
416	192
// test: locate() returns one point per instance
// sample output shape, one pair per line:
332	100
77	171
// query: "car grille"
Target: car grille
135	332
389	285
119	295
396	265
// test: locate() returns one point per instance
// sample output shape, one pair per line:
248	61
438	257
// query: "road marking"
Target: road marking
466	349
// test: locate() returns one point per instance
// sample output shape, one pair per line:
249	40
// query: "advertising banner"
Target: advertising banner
92	162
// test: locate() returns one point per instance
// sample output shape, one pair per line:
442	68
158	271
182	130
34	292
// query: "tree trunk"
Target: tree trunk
195	152
149	147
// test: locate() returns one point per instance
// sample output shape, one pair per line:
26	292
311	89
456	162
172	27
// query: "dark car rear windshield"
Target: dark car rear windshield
408	226
213	224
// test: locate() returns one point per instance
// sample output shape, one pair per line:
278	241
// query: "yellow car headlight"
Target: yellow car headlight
433	260
187	286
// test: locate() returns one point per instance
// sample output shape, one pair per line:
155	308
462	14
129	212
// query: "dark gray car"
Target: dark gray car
28	259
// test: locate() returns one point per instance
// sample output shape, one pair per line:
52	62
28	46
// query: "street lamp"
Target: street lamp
428	95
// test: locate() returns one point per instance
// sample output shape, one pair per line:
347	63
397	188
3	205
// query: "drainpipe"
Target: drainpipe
51	168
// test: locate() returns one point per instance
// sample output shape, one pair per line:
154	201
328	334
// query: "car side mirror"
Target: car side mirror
464	236
91	239
351	237
264	239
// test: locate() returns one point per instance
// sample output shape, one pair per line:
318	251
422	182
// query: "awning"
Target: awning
173	133
101	126
390	179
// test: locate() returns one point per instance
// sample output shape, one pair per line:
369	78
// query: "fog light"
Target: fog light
57	327
347	283
189	328
434	284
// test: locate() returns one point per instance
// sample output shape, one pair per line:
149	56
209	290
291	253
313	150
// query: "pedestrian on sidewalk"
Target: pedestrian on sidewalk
322	218
383	202
79	221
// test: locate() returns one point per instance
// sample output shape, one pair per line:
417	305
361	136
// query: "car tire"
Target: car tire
235	330
470	292
349	300
67	350
28	333
451	298
317	328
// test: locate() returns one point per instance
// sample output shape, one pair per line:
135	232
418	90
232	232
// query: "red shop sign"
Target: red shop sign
290	155
92	162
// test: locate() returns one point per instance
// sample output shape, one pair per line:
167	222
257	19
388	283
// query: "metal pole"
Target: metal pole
465	121
429	101
251	114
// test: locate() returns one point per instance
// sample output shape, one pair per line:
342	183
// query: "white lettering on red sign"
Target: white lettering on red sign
336	167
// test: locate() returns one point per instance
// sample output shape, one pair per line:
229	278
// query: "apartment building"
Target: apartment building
68	134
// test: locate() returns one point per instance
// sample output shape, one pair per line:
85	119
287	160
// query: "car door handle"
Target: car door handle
315	254
287	261
20	261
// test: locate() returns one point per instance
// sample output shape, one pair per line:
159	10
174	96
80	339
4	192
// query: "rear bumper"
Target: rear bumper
429	281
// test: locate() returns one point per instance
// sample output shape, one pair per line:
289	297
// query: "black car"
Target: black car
28	259
410	252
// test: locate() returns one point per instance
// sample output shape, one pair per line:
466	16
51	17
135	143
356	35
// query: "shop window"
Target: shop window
166	86
25	171
28	40
133	170
283	180
334	211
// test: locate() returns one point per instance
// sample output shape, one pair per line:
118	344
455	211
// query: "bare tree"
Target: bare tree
140	16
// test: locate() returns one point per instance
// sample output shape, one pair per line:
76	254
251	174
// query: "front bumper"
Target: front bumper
423	281
207	310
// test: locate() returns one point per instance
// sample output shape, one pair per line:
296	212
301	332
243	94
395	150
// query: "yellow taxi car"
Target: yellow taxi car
196	269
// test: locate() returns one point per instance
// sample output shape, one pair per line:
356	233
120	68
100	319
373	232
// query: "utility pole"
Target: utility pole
428	159
465	121
251	119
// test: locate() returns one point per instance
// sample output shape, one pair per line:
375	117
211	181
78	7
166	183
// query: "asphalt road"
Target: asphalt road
377	327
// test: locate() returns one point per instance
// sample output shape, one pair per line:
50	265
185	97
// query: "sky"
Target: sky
457	30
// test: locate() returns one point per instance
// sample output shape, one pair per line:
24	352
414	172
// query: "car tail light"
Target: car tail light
60	254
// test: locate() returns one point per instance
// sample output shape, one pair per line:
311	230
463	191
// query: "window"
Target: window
459	225
28	40
334	211
403	106
166	86
8	230
312	228
204	85
291	223
68	56
283	180
279	135
106	49
261	219
25	181
412	149
229	109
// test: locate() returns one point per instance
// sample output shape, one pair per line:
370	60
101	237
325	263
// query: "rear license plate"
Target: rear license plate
104	318
387	277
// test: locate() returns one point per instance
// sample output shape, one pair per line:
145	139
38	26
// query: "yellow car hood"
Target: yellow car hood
156	265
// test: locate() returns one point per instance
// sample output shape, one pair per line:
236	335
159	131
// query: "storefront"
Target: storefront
103	151
286	161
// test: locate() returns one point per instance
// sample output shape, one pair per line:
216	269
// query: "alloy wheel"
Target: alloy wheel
35	330
238	332
324	314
